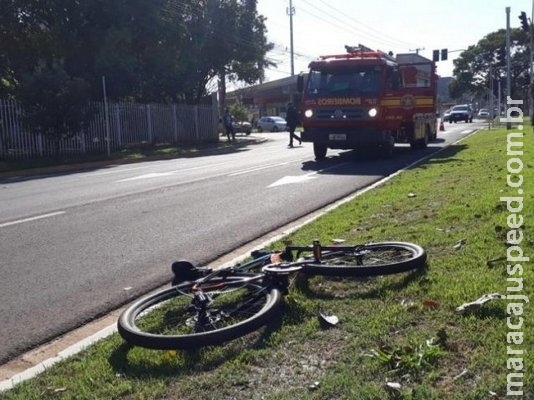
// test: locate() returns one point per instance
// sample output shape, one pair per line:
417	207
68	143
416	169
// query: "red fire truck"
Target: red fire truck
368	99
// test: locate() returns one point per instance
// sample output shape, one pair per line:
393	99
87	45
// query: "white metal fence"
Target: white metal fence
129	123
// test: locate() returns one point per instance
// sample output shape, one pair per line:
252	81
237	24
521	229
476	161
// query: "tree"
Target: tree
249	62
472	69
54	104
239	111
149	51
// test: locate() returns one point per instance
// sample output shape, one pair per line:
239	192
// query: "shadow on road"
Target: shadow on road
353	162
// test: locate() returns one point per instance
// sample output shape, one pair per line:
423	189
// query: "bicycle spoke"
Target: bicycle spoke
366	260
226	306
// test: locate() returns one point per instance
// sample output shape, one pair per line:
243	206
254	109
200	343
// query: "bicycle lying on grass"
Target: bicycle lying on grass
206	307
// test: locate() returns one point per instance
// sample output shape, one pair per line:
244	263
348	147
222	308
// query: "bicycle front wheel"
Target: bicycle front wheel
170	319
372	259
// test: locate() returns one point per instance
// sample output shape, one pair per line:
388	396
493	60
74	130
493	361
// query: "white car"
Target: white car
271	124
483	113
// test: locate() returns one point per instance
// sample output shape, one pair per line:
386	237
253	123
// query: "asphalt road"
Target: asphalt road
77	245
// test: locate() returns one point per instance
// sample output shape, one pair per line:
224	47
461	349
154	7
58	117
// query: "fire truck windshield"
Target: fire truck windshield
365	81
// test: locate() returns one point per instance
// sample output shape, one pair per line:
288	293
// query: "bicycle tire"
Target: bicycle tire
372	259
163	336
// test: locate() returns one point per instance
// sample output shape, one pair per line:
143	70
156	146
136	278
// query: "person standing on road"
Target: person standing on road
228	125
292	120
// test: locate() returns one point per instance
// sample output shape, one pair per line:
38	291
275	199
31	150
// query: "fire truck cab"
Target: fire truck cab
368	99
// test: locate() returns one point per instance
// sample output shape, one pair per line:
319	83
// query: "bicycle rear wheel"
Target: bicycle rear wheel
234	307
373	259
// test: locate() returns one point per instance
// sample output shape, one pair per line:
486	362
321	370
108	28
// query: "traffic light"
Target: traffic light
444	54
524	21
435	55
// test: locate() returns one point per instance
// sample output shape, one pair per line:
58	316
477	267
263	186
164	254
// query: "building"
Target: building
269	98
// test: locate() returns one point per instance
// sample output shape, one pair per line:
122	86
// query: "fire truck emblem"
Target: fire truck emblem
338	114
407	101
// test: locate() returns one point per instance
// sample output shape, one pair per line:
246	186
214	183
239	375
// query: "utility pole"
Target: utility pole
508	66
291	11
491	116
526	25
499	97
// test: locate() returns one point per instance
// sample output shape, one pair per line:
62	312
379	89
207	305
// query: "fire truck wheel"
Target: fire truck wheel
423	142
388	150
319	150
420	143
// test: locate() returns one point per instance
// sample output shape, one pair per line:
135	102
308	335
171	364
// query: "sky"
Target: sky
402	26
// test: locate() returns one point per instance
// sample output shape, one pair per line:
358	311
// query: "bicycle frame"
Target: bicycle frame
263	258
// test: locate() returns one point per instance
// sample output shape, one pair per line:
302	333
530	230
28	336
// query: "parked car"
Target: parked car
483	113
446	115
242	127
461	112
271	124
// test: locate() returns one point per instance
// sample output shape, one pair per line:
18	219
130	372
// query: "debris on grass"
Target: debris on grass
393	385
463	373
459	244
496	261
338	241
327	321
476	304
411	306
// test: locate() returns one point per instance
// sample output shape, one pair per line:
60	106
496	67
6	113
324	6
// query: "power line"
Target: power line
353	20
286	51
327	17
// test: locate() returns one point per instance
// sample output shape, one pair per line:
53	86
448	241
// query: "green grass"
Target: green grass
397	329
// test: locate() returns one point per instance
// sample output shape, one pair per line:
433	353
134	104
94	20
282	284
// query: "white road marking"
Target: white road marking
122	170
254	169
21	221
293	179
147	176
303	178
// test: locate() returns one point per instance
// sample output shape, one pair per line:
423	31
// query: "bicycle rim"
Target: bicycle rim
373	259
166	320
